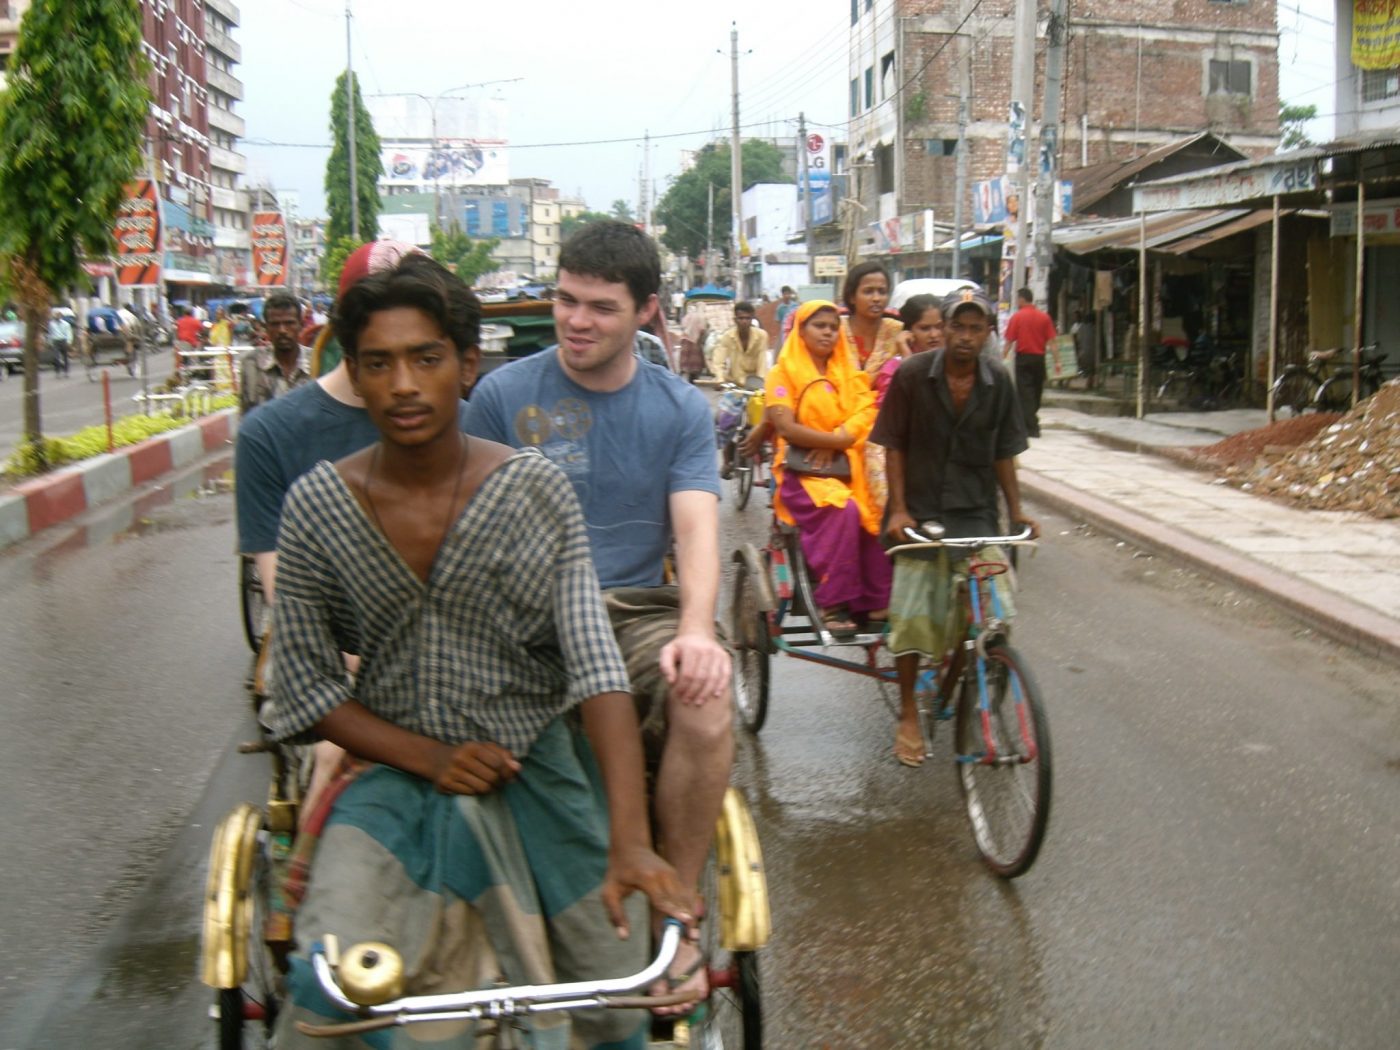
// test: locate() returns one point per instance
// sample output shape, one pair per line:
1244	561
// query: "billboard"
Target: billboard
422	166
139	247
269	249
1375	34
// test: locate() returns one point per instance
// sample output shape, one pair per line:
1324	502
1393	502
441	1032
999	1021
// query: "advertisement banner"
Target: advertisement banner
448	165
1375	34
139	248
269	249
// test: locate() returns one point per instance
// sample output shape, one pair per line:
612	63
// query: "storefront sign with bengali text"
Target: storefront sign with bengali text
269	248
139	248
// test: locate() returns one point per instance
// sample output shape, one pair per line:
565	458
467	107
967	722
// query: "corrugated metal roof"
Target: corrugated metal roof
1096	181
1163	228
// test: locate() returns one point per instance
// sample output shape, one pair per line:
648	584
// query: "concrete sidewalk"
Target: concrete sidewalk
1339	572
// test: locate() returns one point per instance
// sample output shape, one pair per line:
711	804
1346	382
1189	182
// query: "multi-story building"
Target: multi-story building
308	248
1136	75
546	225
1368	72
11	12
227	165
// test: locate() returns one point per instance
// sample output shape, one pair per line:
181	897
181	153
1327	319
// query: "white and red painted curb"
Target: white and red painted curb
33	506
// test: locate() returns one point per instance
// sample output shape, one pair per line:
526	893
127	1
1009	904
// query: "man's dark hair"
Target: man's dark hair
786	290
614	251
1025	295
743	307
915	306
282	301
416	281
854	276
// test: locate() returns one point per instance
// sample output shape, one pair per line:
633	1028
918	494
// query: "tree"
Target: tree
1291	122
467	258
71	125
683	208
368	168
333	260
583	218
621	210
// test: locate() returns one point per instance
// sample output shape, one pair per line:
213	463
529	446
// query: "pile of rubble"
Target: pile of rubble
1352	462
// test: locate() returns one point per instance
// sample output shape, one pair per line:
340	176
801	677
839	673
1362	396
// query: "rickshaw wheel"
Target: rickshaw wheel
254	604
752	659
735	925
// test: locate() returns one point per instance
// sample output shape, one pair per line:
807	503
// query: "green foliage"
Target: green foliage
1291	121
368	168
622	211
32	458
467	258
333	261
72	118
583	218
684	207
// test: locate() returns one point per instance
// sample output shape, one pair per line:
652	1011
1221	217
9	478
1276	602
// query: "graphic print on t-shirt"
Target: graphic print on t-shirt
560	434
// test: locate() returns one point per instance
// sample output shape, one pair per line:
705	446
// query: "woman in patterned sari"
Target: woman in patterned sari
491	815
875	341
819	401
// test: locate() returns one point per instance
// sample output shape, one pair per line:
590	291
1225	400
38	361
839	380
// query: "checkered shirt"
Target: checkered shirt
508	633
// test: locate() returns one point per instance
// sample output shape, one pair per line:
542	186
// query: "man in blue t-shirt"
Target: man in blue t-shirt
638	444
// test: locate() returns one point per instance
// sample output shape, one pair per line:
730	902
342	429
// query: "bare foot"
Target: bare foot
909	744
687	974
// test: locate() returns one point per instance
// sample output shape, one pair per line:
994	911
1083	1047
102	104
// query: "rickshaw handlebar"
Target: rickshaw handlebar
930	534
494	1002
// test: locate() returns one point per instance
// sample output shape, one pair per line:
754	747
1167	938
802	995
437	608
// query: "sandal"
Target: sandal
838	622
675	982
909	750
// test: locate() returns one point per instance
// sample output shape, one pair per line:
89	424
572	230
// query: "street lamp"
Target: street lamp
432	101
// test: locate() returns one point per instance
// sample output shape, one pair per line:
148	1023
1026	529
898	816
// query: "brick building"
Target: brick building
1138	73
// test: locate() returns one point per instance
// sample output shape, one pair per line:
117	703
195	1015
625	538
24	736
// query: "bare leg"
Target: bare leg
690	786
908	738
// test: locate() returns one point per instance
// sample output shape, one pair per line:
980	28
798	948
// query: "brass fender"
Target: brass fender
228	900
745	922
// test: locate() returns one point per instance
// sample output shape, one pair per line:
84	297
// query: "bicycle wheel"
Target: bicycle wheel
743	477
1294	392
749	632
252	601
1003	757
732	1017
1335	395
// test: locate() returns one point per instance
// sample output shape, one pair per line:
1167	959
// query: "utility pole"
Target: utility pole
645	213
1045	185
710	238
960	175
810	210
736	164
350	115
1022	93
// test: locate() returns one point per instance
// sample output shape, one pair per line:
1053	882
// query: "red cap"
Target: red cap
374	257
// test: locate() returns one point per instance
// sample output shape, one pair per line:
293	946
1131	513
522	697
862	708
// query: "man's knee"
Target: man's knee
708	725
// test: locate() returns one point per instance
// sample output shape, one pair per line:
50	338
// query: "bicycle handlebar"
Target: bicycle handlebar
932	537
496	1002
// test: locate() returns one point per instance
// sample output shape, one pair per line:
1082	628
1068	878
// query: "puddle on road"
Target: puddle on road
150	971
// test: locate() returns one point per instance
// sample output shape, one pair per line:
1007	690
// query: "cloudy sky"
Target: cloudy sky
592	74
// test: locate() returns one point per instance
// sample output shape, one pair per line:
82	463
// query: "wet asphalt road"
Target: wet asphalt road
1220	869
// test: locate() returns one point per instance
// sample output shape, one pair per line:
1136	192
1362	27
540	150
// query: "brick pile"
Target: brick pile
1351	463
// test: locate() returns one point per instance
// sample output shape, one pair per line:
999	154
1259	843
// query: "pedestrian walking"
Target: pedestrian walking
1029	334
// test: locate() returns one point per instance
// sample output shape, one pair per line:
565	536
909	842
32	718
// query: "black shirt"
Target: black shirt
949	459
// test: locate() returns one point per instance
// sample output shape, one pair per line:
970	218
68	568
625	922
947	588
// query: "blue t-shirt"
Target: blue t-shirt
626	451
280	442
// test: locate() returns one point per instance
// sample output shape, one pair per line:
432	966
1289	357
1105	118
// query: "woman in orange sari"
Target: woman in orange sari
875	340
820	401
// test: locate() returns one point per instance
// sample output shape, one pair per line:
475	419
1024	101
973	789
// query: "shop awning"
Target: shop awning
1218	233
1163	229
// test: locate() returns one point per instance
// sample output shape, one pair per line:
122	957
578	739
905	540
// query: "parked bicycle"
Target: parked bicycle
1324	383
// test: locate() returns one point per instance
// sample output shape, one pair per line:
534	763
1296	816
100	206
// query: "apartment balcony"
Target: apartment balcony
226	121
227	160
229	200
223	43
217	78
226	8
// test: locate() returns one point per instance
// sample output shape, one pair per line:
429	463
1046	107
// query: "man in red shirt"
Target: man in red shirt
1028	334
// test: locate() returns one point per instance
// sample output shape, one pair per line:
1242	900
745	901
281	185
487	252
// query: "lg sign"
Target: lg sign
815	143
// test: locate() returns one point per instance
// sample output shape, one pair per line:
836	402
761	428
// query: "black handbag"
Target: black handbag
799	459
